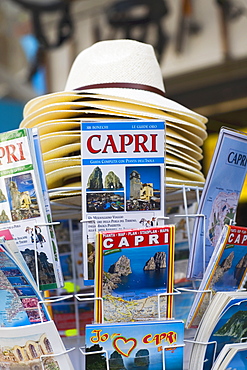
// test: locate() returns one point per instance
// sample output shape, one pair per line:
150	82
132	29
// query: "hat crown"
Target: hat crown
121	61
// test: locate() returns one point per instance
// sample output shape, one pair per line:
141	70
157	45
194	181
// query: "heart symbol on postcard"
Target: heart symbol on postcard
124	346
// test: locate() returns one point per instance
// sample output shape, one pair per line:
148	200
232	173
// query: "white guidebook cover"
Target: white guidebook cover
219	197
37	346
23	204
122	179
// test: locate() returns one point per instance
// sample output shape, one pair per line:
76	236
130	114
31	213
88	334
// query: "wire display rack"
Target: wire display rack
81	298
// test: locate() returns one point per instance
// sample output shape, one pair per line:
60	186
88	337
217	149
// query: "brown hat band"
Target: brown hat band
123	85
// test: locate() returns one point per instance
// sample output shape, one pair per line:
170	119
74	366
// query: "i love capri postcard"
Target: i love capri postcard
152	345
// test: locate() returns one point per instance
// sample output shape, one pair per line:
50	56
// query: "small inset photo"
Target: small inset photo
143	188
105	202
105	178
22	197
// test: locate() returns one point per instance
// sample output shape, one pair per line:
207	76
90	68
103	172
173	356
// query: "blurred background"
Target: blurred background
201	47
200	44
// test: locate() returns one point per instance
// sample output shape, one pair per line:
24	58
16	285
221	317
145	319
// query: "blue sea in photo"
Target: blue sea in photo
139	283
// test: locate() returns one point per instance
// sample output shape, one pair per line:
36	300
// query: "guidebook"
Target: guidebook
155	345
134	273
122	179
226	271
224	322
38	347
20	300
24	205
219	199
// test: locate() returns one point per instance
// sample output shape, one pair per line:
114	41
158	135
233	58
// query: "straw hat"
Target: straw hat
126	70
114	80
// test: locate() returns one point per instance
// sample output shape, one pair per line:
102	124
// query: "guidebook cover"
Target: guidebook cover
23	205
19	298
134	273
219	199
155	345
226	271
123	179
36	347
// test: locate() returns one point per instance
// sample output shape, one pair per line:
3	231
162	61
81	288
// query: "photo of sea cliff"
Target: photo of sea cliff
104	179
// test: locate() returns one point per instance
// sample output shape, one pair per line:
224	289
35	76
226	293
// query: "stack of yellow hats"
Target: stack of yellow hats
114	80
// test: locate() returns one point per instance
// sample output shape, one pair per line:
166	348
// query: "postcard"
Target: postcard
155	345
38	347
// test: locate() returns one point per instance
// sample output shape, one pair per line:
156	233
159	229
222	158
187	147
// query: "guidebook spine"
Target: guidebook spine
205	283
47	209
171	272
98	279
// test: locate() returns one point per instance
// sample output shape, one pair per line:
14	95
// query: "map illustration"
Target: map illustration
223	211
11	309
18	297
